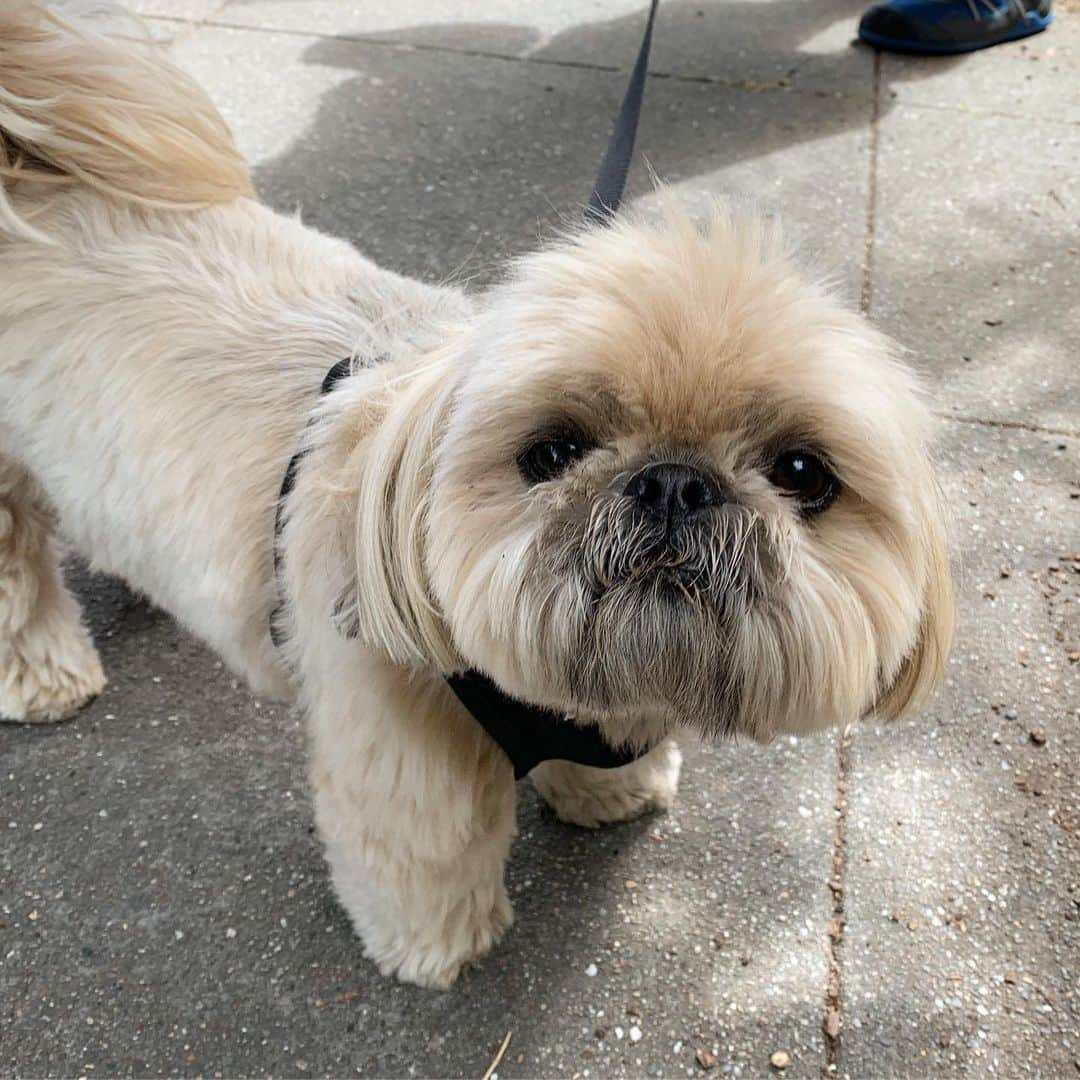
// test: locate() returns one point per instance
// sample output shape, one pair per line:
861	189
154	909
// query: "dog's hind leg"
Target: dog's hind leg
591	797
48	665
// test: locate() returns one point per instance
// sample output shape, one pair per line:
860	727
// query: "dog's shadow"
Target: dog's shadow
440	160
442	156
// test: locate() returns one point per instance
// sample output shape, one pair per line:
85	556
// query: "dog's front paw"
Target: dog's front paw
591	797
434	957
426	924
49	678
436	963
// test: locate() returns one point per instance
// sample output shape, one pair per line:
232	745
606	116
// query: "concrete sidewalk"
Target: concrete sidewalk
903	902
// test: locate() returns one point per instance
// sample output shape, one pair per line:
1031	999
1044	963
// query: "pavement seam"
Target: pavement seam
782	84
188	27
867	291
834	981
832	1022
967	110
1015	425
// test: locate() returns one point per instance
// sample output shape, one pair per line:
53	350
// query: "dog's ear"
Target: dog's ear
387	603
921	672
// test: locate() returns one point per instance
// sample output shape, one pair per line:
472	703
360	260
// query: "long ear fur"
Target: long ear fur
389	604
923	670
80	107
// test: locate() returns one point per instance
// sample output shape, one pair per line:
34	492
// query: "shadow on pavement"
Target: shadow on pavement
486	156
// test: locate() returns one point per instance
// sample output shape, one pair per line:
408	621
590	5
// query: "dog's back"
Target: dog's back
162	335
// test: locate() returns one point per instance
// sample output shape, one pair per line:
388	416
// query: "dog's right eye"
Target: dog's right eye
548	458
804	476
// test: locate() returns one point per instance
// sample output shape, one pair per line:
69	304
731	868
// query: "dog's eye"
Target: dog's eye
547	458
805	477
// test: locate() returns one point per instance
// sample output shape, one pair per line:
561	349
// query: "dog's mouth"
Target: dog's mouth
661	583
649	617
655	642
720	562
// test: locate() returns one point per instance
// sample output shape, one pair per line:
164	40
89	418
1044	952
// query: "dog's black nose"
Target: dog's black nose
671	492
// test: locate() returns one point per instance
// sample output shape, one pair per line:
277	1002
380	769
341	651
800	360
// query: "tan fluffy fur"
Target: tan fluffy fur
162	338
82	107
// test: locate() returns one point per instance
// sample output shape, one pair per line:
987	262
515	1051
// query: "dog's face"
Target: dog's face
676	480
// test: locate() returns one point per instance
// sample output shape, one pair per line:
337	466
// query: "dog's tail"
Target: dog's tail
109	112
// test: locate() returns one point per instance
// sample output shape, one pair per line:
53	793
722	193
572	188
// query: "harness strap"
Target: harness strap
330	380
529	734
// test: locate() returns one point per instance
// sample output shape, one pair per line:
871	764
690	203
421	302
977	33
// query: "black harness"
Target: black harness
528	734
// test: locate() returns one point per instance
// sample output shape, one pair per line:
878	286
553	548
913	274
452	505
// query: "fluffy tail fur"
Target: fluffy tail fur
79	106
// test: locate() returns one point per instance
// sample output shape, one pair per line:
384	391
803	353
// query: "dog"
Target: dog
657	480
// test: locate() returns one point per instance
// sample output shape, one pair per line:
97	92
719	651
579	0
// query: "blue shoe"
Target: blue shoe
944	27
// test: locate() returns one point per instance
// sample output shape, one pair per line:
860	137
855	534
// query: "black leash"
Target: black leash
611	181
528	734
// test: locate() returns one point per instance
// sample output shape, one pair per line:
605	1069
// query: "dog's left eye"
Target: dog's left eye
805	477
548	458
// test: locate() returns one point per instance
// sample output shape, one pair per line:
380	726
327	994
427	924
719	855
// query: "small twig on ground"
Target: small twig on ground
498	1057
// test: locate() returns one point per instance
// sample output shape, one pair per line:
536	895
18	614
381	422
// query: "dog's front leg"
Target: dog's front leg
415	805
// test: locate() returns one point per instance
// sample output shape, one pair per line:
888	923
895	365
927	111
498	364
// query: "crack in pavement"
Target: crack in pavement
832	1022
1015	425
834	983
752	85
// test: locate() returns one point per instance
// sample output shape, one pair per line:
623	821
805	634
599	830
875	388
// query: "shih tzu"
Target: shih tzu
655	481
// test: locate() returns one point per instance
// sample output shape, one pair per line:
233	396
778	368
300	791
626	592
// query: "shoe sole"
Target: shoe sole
1032	24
